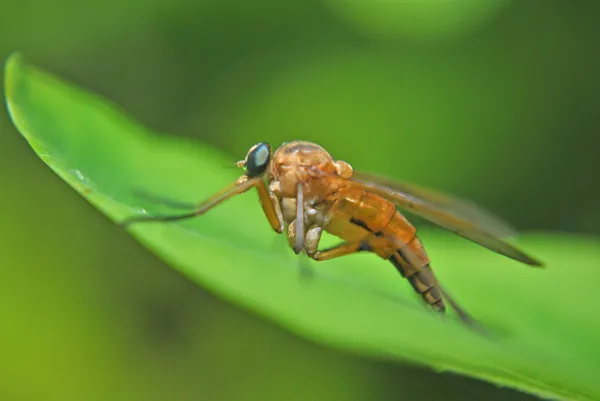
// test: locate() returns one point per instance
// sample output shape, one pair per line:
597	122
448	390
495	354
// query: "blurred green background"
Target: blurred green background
496	101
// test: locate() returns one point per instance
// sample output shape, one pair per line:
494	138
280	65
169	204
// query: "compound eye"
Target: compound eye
257	159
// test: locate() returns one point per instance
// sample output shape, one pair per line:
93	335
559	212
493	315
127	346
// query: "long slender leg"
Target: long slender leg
345	248
299	224
270	206
241	185
172	203
348	248
277	206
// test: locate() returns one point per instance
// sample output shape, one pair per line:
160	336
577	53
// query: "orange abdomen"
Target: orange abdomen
357	215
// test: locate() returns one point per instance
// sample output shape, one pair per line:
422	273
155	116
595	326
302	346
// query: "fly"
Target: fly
305	192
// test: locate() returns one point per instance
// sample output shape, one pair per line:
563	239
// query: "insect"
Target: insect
303	190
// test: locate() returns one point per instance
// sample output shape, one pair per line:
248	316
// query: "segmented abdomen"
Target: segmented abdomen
420	276
357	214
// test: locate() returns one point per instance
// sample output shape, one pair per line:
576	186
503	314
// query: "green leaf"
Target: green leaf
545	325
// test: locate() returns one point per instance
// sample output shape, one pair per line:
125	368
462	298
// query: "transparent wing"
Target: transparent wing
459	216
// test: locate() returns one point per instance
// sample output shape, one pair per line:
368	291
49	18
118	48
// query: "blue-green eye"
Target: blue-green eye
258	159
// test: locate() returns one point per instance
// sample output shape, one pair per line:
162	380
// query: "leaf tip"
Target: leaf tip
13	68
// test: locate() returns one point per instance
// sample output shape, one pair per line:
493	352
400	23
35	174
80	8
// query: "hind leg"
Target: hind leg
422	279
346	248
311	244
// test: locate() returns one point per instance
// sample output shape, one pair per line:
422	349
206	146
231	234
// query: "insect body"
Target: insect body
303	190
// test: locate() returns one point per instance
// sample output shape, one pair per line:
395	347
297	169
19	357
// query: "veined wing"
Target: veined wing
459	216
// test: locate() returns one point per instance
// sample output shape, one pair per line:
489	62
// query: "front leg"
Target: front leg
270	206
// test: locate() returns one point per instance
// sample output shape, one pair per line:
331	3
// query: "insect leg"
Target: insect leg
239	186
270	206
175	204
345	248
